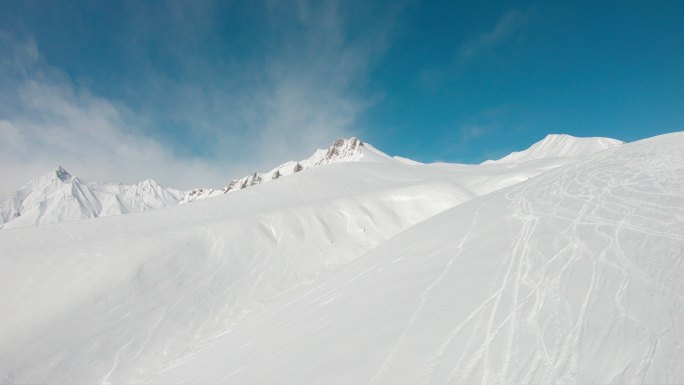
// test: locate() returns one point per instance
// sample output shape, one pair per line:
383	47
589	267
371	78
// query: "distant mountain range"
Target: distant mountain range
58	196
560	264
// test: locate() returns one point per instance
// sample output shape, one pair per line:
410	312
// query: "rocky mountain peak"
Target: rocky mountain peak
63	174
342	150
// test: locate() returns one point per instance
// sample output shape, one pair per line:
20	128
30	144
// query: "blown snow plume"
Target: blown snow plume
59	197
342	150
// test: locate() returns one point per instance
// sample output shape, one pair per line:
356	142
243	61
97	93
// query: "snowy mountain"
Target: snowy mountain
58	197
555	145
574	277
342	150
560	270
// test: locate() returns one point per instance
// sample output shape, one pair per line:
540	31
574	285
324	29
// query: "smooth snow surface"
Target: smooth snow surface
555	145
367	273
59	197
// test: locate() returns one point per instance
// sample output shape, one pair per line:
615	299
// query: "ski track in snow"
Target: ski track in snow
563	357
423	300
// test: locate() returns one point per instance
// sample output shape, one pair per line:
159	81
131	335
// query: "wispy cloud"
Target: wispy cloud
297	85
298	88
471	132
508	25
46	121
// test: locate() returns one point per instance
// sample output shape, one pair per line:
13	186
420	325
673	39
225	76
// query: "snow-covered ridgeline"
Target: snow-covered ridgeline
342	150
58	197
560	145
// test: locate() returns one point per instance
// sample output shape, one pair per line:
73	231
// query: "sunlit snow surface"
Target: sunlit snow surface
367	273
560	145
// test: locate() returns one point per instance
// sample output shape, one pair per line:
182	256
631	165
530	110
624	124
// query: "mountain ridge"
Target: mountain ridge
342	150
58	196
559	145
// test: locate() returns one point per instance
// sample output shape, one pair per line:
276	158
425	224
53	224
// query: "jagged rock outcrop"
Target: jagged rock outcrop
342	150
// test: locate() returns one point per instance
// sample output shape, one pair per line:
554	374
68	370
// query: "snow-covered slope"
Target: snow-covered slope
555	145
342	150
574	277
119	298
58	197
546	271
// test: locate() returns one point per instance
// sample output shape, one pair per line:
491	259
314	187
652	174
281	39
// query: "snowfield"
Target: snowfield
562	269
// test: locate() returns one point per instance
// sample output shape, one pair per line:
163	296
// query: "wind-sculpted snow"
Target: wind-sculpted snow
367	273
574	277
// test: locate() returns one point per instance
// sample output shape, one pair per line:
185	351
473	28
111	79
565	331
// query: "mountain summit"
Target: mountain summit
59	196
560	145
342	150
63	174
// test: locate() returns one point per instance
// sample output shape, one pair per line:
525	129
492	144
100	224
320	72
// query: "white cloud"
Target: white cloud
311	96
47	121
298	85
299	94
472	131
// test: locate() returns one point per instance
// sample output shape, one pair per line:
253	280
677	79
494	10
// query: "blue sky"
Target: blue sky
193	93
